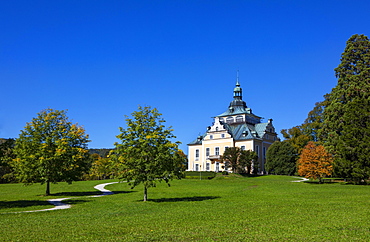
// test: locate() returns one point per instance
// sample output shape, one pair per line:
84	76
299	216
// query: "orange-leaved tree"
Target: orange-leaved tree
315	162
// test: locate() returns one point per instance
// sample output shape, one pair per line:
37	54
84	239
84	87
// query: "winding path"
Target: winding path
303	179
57	202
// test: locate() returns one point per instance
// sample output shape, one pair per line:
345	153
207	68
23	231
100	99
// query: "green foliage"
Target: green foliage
347	113
51	149
146	154
281	158
297	137
314	122
239	160
6	156
102	168
104	153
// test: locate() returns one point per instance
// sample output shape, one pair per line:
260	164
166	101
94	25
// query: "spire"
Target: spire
237	78
237	89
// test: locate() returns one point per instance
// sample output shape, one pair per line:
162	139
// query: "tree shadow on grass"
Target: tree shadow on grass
83	194
184	199
22	204
35	203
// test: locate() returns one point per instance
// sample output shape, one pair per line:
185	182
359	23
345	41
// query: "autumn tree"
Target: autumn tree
146	153
315	162
346	125
51	149
239	160
281	158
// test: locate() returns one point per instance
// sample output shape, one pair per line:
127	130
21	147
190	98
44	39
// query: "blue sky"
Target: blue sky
101	59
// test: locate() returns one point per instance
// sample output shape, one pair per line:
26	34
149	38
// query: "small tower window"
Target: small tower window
230	120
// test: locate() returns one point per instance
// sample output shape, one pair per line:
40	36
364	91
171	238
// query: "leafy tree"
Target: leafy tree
346	125
281	158
50	149
6	156
102	168
297	137
146	154
239	160
315	162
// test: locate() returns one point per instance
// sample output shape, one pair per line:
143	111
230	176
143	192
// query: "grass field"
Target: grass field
267	208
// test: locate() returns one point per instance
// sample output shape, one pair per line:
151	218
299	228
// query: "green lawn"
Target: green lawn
268	208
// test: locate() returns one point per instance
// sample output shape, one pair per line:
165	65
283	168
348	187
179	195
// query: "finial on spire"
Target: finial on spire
237	78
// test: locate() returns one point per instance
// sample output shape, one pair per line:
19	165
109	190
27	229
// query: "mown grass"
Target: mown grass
267	208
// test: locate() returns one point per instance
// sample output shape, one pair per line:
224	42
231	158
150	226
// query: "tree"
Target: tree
346	125
146	154
239	160
297	137
102	168
6	156
51	149
314	121
281	158
315	162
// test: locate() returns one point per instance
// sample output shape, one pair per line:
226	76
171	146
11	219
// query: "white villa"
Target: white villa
238	126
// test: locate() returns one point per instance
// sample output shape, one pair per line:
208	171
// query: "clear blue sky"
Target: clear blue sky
101	59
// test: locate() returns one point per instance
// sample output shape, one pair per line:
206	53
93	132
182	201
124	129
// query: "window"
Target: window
226	147
207	166
197	154
230	120
242	147
211	137
217	151
239	119
217	167
196	167
257	149
222	135
264	152
216	128
207	152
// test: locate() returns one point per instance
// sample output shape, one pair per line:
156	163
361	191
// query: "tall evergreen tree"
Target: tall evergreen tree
346	126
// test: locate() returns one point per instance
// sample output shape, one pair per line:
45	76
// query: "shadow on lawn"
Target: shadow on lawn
82	194
32	203
184	199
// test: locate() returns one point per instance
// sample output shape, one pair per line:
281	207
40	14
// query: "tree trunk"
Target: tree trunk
47	188
145	194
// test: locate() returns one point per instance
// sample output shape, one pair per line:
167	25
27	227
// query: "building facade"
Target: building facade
238	126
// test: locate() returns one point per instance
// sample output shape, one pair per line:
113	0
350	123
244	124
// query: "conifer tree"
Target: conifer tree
346	125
